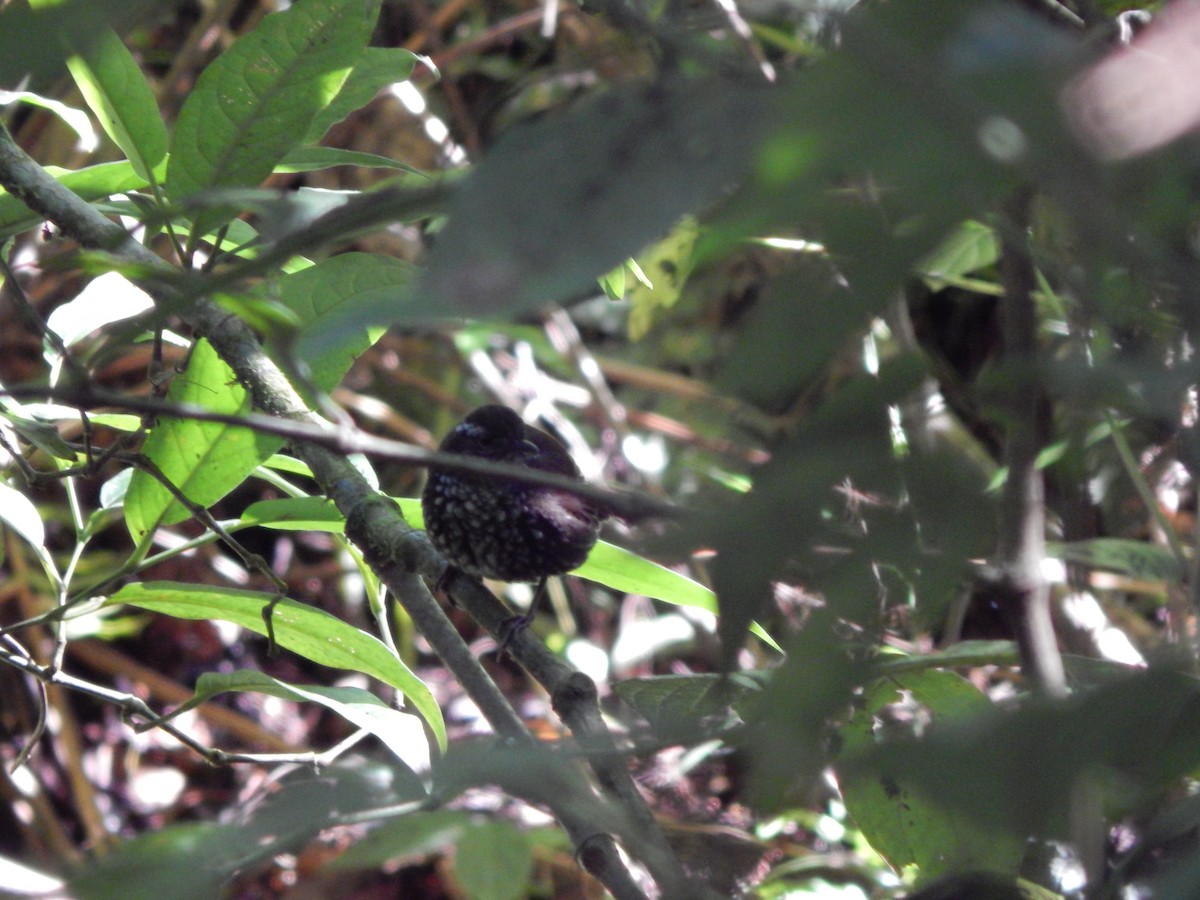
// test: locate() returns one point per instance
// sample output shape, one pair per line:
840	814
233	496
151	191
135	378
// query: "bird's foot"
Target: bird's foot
510	628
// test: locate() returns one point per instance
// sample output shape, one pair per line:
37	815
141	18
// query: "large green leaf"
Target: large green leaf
305	630
374	68
562	201
258	100
117	92
205	460
892	813
419	834
344	304
1025	771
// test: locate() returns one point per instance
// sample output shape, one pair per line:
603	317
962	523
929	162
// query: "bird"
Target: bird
494	527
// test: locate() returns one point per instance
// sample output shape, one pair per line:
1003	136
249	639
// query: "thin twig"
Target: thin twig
347	441
141	717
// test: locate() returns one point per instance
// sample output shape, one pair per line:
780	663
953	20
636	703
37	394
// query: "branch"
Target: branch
1019	586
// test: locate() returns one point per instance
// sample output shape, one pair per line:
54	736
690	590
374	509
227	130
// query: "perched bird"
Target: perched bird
494	527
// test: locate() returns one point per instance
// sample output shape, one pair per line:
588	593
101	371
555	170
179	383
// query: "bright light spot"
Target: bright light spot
1002	139
437	130
588	659
156	787
647	454
795	245
410	98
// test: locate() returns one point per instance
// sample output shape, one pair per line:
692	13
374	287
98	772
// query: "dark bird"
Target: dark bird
494	527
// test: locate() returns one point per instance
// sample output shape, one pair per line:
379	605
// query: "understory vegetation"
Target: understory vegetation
873	325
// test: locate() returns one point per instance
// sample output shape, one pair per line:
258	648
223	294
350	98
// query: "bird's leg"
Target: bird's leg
514	625
443	585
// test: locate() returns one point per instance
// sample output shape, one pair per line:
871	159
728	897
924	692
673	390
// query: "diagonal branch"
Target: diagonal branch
372	521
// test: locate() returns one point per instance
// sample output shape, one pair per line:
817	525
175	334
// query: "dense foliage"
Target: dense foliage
875	321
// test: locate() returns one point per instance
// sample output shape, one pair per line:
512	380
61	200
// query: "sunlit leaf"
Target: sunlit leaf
117	92
667	266
398	731
343	305
304	630
205	460
374	68
258	99
18	513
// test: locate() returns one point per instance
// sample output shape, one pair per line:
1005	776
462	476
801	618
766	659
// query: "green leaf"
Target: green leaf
374	68
667	265
613	283
205	460
257	100
344	304
40	434
417	835
305	630
192	862
788	722
970	247
295	514
92	183
309	159
75	119
104	300
625	571
18	513
525	229
27	47
963	653
400	732
161	864
1136	559
1024	771
676	704
116	90
493	861
902	824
